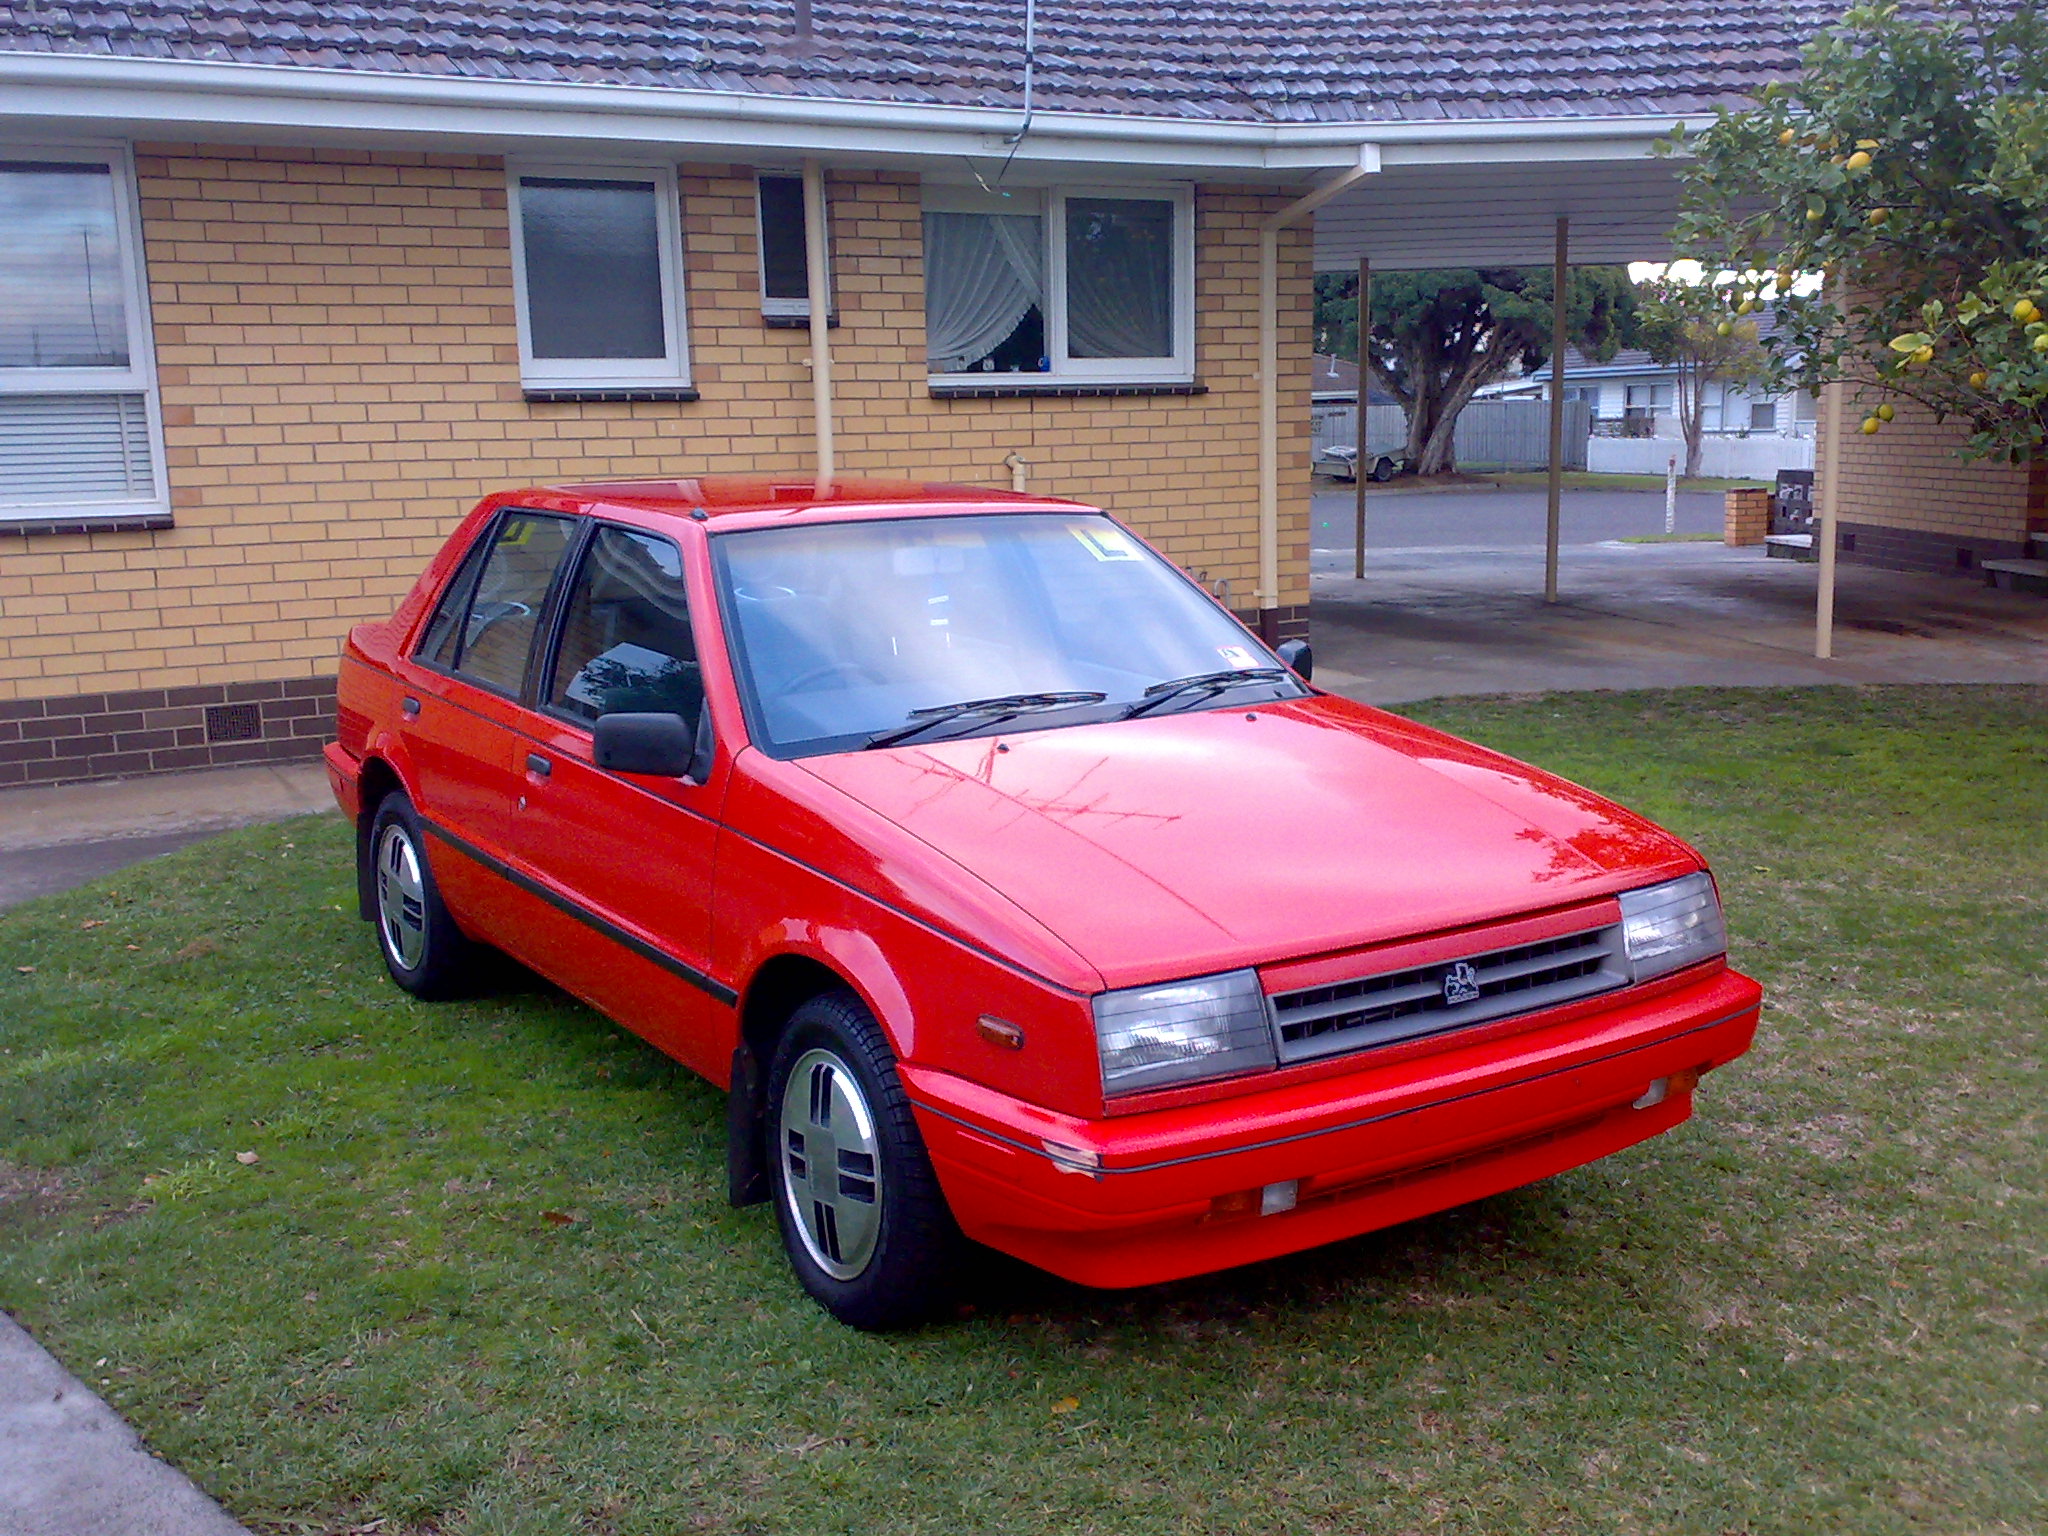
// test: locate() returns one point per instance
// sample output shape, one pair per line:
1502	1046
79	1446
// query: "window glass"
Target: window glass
626	642
843	629
784	274
511	588
984	276
593	268
437	642
63	286
1763	415
1119	277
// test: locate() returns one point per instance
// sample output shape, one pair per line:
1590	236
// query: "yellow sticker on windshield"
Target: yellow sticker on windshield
1103	541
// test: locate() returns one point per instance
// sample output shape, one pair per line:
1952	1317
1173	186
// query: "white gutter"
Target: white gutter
101	94
1368	163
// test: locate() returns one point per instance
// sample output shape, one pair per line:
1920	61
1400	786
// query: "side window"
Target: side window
437	646
501	609
626	643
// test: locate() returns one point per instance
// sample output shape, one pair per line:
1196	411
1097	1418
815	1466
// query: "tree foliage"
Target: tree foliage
1438	336
1909	162
1702	332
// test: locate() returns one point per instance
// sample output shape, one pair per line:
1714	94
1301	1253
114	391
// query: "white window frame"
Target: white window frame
1051	207
672	369
800	308
138	378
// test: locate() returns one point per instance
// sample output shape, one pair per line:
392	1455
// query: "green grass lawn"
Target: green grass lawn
479	1275
1583	480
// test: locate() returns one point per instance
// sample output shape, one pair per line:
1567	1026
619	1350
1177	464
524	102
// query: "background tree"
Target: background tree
1908	161
1690	328
1438	336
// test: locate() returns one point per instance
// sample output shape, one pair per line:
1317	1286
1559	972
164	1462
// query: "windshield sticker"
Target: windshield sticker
1104	543
1237	656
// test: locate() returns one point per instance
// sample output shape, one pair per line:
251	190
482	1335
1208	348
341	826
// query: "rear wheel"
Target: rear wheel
423	949
862	1218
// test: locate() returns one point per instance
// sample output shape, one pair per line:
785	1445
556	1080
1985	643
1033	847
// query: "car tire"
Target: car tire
1382	469
865	1226
423	949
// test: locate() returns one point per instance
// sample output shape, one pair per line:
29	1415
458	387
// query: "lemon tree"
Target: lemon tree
1909	162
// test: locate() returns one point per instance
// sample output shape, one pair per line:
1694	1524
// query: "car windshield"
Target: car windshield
853	634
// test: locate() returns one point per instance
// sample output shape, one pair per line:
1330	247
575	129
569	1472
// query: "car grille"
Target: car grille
1400	1005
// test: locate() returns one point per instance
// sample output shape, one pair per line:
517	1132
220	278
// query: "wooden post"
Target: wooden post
1560	273
1364	395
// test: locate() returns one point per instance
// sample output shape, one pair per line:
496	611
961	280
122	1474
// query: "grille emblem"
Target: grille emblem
1461	985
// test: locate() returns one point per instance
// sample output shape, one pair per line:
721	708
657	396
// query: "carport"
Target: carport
1586	192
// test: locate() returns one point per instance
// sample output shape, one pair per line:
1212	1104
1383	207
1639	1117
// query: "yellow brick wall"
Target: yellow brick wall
1908	475
339	375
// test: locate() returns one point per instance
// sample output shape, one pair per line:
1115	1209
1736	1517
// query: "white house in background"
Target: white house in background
1634	400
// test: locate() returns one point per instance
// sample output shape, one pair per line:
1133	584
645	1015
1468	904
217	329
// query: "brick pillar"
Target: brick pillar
1746	517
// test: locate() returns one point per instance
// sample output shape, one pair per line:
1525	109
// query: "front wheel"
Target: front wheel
423	949
862	1217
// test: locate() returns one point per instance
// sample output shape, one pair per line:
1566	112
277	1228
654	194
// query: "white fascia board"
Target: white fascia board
283	104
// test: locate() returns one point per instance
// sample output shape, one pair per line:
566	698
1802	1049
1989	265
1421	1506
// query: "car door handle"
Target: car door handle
535	763
410	707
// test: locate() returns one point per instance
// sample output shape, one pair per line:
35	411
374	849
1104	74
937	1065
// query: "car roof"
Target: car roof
757	500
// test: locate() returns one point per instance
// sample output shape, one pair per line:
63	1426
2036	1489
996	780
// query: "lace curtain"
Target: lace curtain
1119	277
982	273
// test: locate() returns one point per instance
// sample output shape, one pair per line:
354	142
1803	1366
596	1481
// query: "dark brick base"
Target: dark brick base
163	730
1292	623
1909	549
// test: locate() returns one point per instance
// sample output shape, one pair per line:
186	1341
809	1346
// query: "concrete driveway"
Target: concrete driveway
1452	602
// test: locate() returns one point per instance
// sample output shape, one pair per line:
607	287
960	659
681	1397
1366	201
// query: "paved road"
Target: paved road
1499	519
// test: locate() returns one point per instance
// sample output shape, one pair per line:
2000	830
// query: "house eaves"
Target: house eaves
87	95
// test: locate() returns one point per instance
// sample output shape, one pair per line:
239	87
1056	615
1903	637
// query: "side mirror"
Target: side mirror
661	745
1299	658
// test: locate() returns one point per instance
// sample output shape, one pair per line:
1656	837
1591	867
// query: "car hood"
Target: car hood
1177	845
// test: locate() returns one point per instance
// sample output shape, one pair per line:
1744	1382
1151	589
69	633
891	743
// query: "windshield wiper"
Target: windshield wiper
1206	682
1002	706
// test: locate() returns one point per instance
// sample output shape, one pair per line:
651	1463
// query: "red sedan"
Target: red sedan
1012	888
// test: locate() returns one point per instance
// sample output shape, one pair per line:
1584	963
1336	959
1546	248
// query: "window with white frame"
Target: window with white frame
785	261
597	261
1641	402
78	427
1076	285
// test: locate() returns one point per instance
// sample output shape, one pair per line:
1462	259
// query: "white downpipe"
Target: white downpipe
1269	377
818	291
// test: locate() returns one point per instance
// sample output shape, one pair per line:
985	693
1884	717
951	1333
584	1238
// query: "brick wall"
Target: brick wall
339	376
1908	500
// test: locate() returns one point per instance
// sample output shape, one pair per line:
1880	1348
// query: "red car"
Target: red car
1015	890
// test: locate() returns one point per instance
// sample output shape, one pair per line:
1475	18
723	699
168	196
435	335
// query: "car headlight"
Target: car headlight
1154	1037
1673	924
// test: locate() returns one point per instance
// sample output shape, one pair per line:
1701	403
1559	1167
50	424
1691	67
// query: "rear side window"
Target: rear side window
626	643
485	626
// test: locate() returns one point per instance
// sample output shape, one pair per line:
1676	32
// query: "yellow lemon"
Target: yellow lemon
1924	355
1879	215
1979	379
1860	161
2040	342
1885	413
1870	425
1725	328
1787	136
2026	312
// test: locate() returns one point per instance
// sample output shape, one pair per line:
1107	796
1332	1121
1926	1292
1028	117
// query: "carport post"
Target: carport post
1364	394
1824	536
1560	271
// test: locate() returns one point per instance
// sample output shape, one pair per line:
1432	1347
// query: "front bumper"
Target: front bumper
1132	1199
